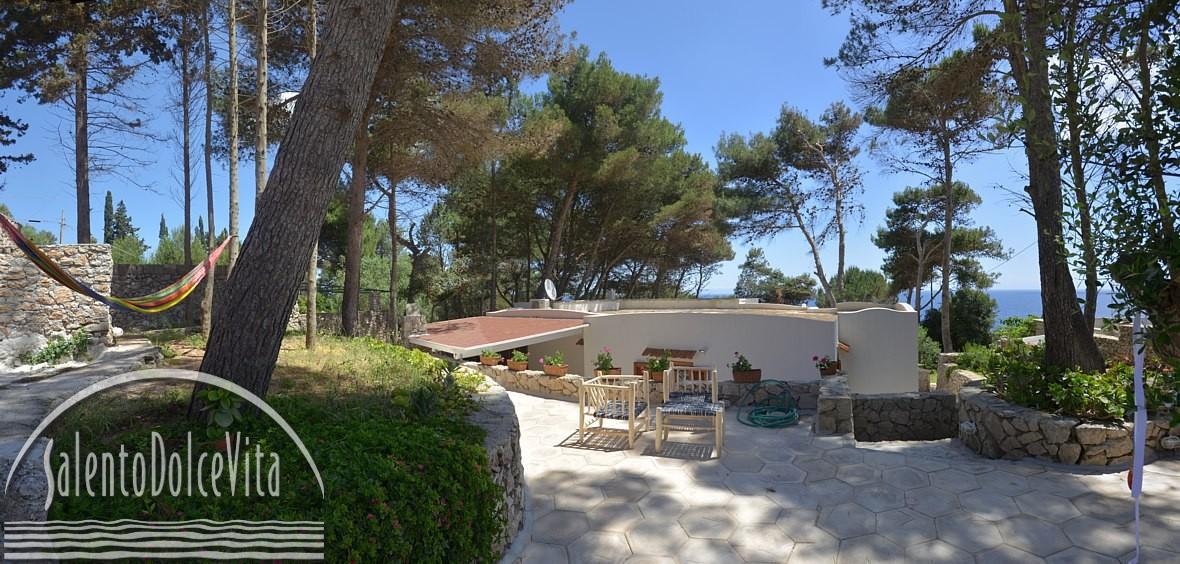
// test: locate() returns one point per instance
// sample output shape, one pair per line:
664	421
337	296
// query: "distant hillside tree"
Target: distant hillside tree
757	279
866	285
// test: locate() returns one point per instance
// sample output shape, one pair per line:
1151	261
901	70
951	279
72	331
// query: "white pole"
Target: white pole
1137	345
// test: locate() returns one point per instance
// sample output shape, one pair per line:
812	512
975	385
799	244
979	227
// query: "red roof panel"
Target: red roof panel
479	331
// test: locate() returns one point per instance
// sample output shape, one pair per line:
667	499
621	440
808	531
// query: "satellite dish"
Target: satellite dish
550	290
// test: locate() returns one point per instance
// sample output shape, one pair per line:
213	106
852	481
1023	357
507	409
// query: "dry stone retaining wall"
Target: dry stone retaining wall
914	416
132	280
497	416
998	429
834	407
34	307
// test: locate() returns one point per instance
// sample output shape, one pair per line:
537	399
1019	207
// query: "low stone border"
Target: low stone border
834	407
532	382
995	428
914	416
806	393
497	416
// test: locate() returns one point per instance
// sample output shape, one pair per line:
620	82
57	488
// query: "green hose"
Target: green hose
775	412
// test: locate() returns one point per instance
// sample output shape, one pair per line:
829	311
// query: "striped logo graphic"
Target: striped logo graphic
128	538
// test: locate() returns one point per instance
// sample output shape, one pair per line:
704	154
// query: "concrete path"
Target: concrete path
25	399
786	496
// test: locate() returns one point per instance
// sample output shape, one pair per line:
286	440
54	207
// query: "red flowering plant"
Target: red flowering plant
823	362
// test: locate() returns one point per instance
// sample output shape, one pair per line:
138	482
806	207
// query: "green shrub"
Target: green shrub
555	359
1016	327
59	348
928	350
1102	395
972	314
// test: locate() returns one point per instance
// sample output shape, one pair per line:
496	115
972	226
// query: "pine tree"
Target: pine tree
163	229
108	219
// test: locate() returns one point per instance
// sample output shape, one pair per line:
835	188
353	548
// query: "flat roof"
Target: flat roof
820	315
468	336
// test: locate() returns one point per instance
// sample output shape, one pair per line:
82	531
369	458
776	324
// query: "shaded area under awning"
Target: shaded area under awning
466	337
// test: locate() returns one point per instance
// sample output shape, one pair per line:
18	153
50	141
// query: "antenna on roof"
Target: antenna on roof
550	290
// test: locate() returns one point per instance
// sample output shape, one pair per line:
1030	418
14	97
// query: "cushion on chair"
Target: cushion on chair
687	396
618	409
686	407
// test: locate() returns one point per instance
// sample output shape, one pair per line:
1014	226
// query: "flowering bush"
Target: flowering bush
823	362
605	361
742	364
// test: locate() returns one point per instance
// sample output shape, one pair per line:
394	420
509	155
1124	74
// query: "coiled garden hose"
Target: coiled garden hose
778	410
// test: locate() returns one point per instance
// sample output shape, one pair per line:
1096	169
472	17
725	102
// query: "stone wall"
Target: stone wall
131	280
806	394
834	408
34	307
368	323
911	416
997	429
532	382
497	416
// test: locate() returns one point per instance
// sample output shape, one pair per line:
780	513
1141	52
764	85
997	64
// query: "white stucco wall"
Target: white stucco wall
781	345
883	355
568	346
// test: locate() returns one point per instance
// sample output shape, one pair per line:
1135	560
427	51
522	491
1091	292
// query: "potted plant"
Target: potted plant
554	364
518	361
489	357
657	366
826	366
743	371
605	364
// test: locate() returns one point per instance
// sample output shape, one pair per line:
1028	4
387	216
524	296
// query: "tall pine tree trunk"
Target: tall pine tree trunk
395	334
311	327
554	253
1073	118
232	30
186	117
207	298
350	301
252	312
1068	341
82	130
260	141
947	234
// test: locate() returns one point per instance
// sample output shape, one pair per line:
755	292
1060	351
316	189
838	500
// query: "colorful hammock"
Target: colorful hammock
151	303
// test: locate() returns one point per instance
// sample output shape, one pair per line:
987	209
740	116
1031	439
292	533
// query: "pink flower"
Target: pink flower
814	358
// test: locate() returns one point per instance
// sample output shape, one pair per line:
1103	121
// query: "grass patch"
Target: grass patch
405	475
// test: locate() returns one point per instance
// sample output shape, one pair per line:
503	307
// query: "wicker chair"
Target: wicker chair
613	398
690	393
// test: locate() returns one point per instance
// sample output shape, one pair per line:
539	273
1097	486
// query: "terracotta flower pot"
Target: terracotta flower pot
556	370
831	370
610	372
489	360
747	376
518	365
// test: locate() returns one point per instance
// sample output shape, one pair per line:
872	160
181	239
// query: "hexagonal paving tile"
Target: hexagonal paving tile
1033	535
774	454
1064	485
799	524
906	527
1115	509
783	473
858	474
794	496
869	548
848	520
578	498
707	471
881	459
595	547
845	455
1005	554
1100	536
702	551
657	537
830	492
830	442
816	469
743	483
670	479
1077	555
706	495
541	553
649	559
814	553
975	467
931	501
968	532
548	483
1003	483
988	505
879	497
614	516
752	509
742	462
762	543
905	478
560	527
707	523
1052	508
662	505
954	481
937	552
626	489
925	464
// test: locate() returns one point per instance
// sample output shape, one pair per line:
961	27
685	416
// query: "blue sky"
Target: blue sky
720	71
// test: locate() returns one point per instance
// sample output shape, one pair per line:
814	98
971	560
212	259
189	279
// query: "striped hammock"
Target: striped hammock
151	303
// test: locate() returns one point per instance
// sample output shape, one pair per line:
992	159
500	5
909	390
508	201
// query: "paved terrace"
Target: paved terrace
787	496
